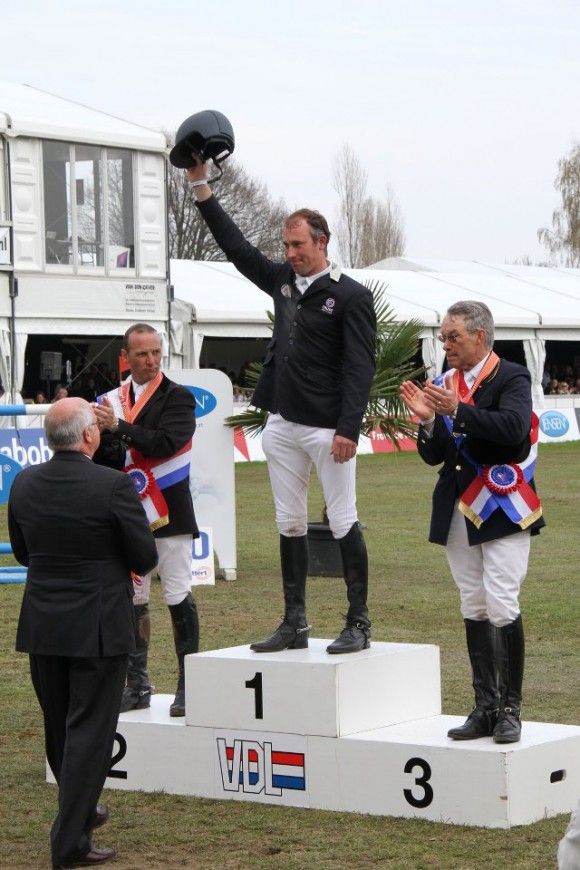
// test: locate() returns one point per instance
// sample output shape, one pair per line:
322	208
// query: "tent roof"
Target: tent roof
27	111
520	297
219	293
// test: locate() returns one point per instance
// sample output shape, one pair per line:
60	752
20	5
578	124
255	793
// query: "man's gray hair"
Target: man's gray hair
476	315
65	431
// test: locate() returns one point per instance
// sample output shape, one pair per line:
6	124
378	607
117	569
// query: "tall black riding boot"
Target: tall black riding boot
185	622
512	655
356	635
292	633
482	648
137	692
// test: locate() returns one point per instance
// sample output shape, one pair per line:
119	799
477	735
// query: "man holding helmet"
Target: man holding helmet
315	384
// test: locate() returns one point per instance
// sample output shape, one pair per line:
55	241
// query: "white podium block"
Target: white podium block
311	692
414	770
155	752
355	733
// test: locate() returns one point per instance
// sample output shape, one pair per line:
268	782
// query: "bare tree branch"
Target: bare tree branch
246	200
367	229
563	240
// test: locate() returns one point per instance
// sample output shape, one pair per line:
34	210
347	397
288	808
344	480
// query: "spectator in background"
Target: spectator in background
40	398
61	393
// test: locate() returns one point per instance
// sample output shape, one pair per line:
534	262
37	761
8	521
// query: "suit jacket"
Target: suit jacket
320	363
163	426
81	530
496	429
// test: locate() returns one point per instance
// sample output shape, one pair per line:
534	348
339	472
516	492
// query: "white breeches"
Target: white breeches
489	576
291	449
174	570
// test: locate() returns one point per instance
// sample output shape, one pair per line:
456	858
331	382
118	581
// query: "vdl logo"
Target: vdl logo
554	424
205	402
252	767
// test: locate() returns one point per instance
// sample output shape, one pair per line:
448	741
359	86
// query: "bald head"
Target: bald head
70	424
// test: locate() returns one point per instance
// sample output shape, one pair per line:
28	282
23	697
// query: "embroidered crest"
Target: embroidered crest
329	305
285	291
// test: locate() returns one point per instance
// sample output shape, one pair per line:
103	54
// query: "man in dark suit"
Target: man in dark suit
315	383
80	530
147	425
477	420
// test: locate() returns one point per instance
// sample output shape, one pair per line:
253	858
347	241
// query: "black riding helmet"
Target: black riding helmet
208	133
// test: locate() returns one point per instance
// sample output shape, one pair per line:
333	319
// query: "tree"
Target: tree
563	240
246	200
367	229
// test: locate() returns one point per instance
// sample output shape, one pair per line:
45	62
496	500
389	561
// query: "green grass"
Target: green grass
412	599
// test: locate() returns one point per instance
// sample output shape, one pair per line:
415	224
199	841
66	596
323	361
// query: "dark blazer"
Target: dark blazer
320	363
80	529
162	427
497	430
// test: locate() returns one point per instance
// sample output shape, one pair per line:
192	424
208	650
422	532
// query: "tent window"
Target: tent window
121	236
88	206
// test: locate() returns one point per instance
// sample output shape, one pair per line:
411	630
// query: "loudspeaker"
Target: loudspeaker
50	365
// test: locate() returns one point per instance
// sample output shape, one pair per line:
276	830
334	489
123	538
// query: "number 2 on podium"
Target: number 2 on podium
256	684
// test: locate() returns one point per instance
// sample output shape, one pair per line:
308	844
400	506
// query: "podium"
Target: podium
361	733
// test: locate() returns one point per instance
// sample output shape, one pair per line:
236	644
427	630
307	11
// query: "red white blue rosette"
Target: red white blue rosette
502	479
142	479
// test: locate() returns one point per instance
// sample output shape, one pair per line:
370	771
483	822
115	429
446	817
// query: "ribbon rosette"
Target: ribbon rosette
142	478
502	479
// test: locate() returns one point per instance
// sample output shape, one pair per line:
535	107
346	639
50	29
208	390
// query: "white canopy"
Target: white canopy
523	299
529	303
27	111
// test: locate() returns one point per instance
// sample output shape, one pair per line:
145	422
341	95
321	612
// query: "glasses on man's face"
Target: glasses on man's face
451	337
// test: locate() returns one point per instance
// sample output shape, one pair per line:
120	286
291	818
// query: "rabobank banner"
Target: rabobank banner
25	446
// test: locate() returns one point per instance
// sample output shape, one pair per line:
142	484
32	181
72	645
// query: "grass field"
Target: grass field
412	599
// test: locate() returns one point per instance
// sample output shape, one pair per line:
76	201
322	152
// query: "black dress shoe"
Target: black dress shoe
285	637
352	638
93	857
479	723
509	726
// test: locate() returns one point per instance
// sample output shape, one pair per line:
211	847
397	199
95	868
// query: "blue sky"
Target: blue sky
463	109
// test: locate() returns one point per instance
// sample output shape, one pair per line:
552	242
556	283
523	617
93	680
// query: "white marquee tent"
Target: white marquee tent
530	304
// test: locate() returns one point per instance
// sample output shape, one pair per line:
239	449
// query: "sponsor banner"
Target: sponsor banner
555	425
4	246
9	468
25	446
559	424
212	480
202	568
261	767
